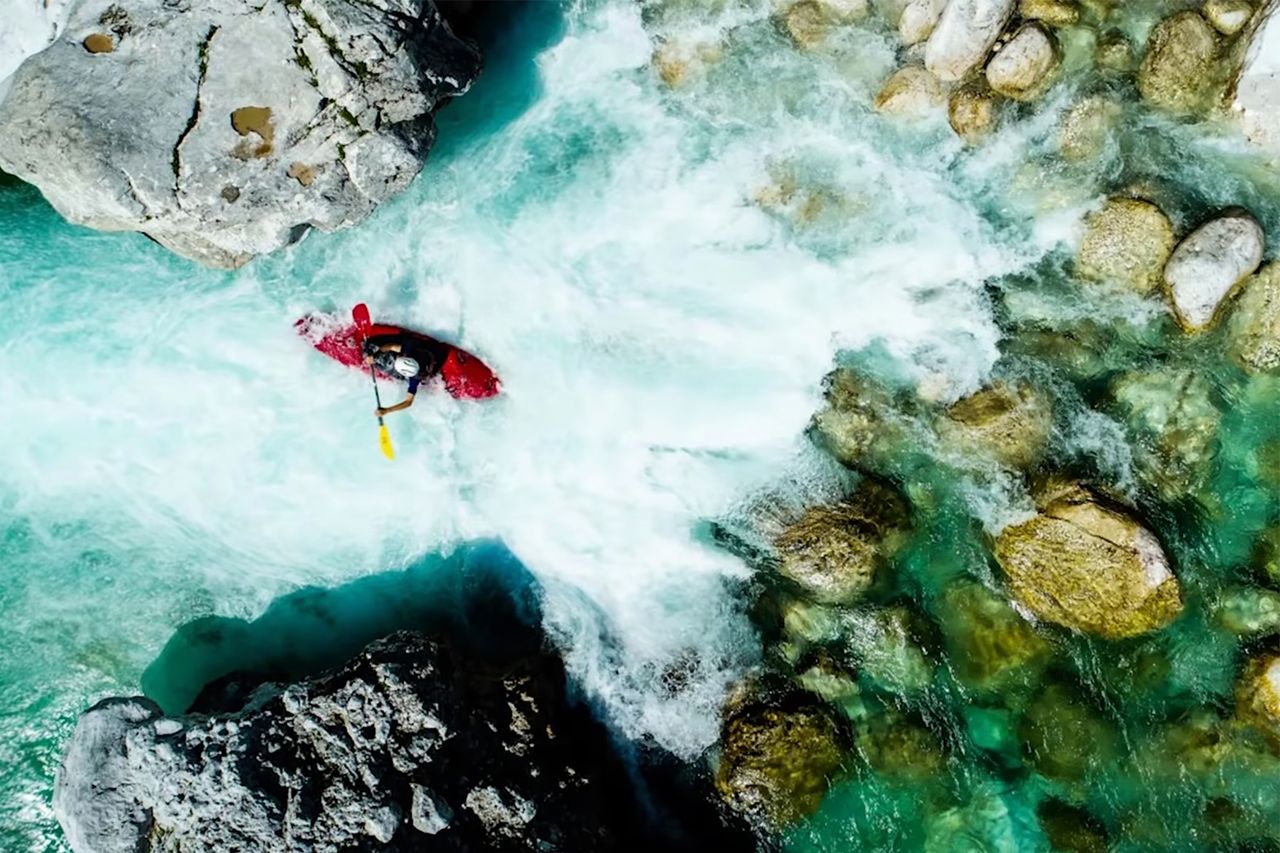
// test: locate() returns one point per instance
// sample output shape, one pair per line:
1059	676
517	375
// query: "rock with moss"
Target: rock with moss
1208	264
776	763
991	649
1088	127
834	552
1063	738
1266	554
1114	53
227	129
972	110
1071	829
863	426
1023	68
1090	567
1180	69
1253	333
1009	422
1174	424
836	686
911	92
964	35
1126	243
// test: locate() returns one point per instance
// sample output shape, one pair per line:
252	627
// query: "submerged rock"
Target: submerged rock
992	649
861	425
1114	52
1062	737
1087	127
1008	422
1127	242
834	552
1175	425
776	763
1071	829
971	110
1253	333
809	22
190	124
900	748
910	91
409	745
1248	611
1023	68
965	33
1209	263
883	645
1089	567
1179	70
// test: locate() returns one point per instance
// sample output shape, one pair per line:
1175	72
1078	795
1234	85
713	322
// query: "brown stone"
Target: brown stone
302	173
255	120
99	43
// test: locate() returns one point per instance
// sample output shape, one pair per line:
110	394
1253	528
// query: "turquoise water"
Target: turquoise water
661	313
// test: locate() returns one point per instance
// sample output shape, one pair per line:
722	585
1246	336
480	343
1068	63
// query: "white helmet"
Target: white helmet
406	367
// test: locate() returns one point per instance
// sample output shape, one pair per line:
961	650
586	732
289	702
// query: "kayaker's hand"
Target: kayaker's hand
379	412
368	359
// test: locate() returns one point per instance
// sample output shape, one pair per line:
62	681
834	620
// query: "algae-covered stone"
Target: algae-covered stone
1175	425
965	33
861	425
1127	242
1062	737
1114	53
899	747
1070	829
910	91
1179	70
1227	16
805	623
1055	13
1008	422
1258	694
1087	127
776	764
1023	68
1089	567
990	647
971	110
1253	333
834	552
1209	263
1266	555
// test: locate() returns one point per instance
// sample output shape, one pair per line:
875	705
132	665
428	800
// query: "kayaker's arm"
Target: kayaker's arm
403	404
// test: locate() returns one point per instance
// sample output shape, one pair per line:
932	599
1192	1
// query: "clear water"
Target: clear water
172	451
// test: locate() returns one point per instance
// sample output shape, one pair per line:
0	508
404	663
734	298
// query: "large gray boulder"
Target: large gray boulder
412	745
1209	263
226	129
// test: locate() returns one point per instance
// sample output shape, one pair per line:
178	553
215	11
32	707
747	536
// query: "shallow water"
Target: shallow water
662	332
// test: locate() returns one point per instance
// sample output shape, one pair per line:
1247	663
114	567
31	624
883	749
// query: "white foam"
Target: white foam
661	340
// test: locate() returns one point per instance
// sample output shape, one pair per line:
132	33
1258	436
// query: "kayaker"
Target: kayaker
401	355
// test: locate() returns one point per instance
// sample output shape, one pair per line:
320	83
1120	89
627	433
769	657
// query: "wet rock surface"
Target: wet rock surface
411	745
185	121
1209	263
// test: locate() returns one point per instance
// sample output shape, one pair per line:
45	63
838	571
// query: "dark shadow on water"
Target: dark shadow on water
511	34
480	596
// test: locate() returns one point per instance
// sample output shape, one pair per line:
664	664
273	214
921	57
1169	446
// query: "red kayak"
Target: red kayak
465	376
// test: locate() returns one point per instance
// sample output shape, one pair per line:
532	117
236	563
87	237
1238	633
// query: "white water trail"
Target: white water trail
661	341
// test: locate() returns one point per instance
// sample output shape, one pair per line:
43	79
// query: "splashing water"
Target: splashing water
633	263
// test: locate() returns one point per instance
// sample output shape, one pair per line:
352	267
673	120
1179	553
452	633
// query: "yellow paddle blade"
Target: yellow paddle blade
384	440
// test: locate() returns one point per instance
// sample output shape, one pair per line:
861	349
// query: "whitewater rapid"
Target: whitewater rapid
171	448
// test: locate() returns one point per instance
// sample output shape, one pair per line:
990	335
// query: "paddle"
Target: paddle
360	314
